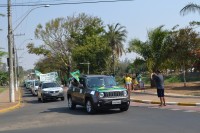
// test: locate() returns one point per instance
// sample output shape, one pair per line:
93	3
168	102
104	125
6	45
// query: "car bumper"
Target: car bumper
111	103
53	96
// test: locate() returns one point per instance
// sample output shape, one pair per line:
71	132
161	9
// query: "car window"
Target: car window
100	81
36	83
49	85
109	81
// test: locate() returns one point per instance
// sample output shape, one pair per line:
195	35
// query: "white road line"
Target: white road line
153	107
175	109
189	111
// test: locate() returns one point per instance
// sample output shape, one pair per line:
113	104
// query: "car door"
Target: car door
74	90
81	91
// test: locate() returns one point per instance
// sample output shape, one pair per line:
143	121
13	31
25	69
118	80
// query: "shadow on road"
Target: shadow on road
80	111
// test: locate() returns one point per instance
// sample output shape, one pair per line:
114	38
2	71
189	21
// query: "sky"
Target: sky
138	16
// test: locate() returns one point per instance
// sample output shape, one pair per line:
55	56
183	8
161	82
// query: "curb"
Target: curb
169	95
167	103
18	105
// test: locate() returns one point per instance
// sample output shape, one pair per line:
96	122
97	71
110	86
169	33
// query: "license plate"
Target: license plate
116	102
54	94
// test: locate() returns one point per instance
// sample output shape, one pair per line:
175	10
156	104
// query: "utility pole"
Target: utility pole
15	61
10	51
88	63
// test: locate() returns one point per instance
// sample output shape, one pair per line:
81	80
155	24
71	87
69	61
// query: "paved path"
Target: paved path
171	99
5	104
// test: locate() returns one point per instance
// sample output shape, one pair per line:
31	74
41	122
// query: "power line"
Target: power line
66	3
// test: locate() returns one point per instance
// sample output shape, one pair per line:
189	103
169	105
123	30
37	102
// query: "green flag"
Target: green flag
37	73
76	75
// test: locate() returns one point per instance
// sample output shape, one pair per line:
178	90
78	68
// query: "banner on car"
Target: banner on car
52	76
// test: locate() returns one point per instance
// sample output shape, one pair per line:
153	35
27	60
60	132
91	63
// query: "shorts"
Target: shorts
128	83
160	92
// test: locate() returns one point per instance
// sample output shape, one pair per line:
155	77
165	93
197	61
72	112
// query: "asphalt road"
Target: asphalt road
54	117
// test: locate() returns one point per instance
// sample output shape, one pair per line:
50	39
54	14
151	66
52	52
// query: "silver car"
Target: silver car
50	90
34	87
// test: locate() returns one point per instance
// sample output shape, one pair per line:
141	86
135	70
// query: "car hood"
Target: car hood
110	88
53	89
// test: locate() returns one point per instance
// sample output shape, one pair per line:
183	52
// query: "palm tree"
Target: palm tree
152	51
191	7
116	35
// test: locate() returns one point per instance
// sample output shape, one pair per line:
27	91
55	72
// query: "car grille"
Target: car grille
113	94
53	92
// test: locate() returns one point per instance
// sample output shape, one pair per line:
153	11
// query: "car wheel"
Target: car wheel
124	108
89	107
71	105
62	98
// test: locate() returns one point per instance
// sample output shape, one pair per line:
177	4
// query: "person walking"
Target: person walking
128	82
159	81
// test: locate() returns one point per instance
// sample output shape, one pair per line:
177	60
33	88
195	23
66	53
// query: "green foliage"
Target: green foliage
153	50
4	77
116	35
191	7
67	42
2	89
173	79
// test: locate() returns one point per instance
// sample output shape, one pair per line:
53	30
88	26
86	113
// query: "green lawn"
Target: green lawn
2	89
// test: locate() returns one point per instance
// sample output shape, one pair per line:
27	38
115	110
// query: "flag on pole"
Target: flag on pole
37	73
76	75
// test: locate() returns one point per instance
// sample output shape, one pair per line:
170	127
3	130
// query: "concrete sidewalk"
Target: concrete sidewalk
6	105
171	99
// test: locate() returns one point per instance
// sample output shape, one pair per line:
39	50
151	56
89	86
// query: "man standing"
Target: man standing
159	81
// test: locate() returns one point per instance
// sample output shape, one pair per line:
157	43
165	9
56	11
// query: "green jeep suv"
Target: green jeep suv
97	92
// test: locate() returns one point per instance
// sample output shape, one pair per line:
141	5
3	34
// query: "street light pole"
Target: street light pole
10	52
28	14
88	63
11	48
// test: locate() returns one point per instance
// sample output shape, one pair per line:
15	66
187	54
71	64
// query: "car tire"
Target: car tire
71	105
124	108
62	98
89	107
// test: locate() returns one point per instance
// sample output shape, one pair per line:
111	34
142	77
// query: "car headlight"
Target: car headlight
101	94
45	92
125	93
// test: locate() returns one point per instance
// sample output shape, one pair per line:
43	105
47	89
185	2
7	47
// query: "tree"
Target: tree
152	51
191	7
116	35
62	38
183	45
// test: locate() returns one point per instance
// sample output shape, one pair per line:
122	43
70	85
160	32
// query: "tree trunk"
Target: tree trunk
184	79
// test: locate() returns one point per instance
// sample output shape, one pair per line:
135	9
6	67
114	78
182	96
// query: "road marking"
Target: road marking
175	109
190	111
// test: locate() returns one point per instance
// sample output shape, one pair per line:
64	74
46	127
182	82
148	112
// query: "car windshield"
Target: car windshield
100	81
36	83
49	85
